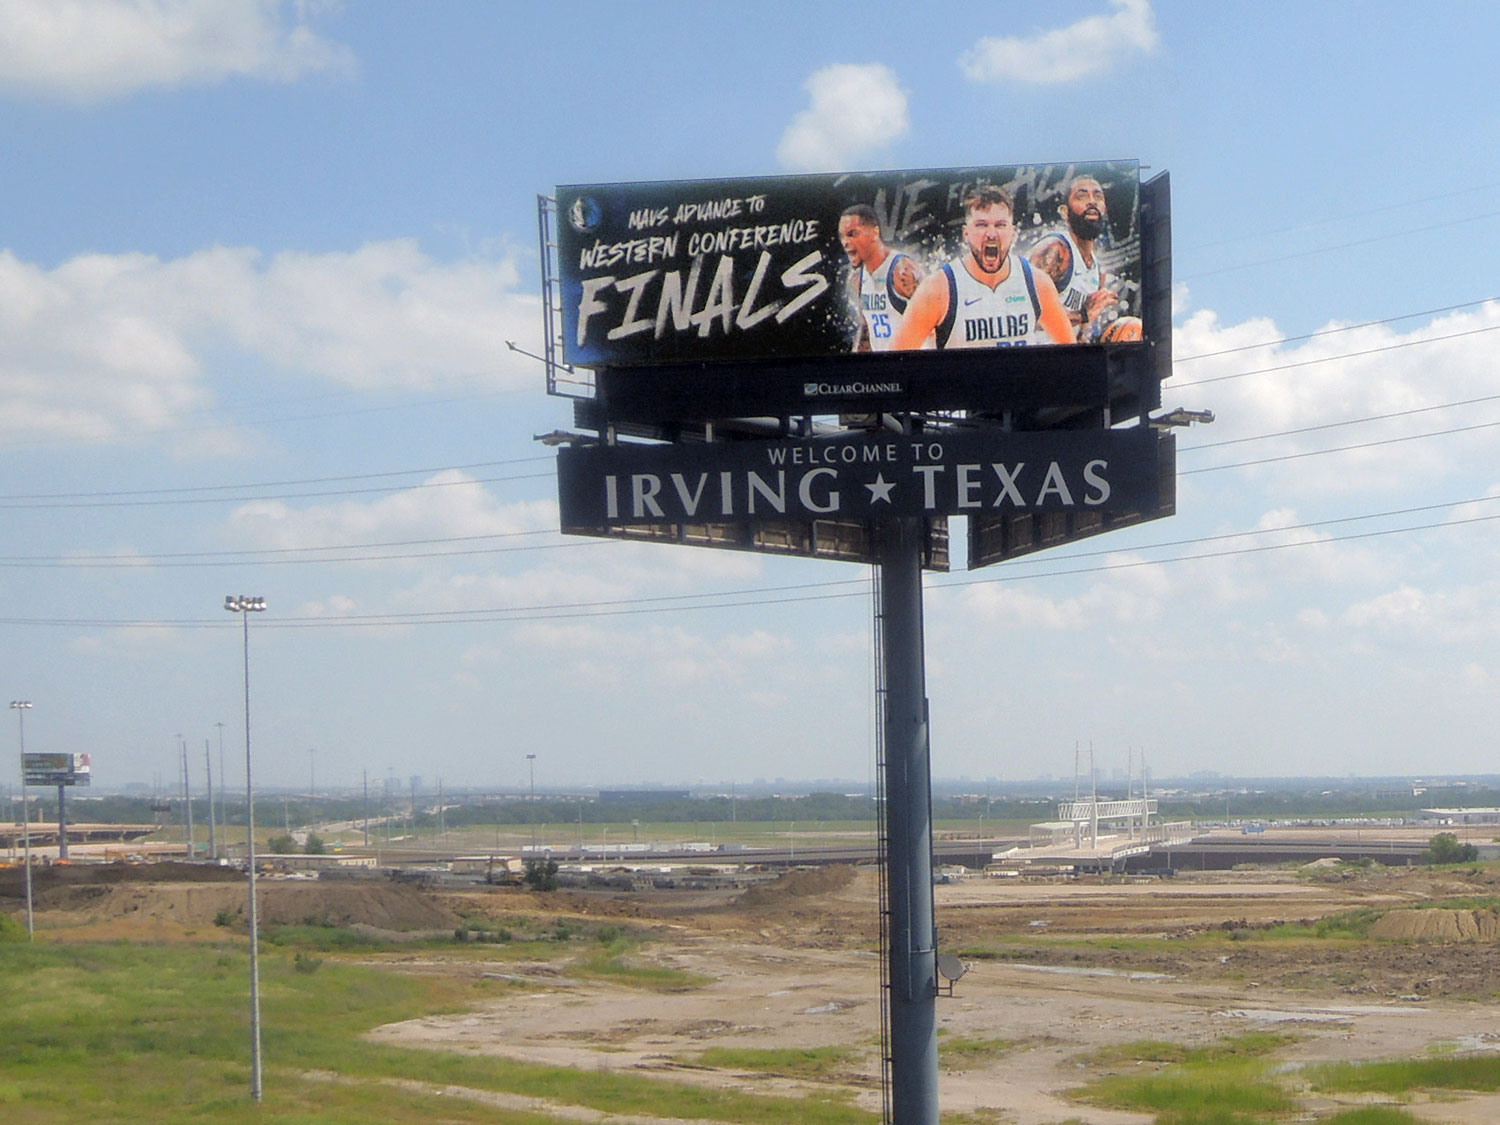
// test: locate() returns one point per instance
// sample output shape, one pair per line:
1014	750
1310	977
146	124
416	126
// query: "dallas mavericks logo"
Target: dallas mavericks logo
585	214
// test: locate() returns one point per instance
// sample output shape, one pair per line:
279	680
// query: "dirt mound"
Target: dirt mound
13	880
1438	925
381	905
805	883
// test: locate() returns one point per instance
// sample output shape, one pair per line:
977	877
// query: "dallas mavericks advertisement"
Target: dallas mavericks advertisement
832	265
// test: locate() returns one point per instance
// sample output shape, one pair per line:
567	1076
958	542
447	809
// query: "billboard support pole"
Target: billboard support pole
62	822
908	784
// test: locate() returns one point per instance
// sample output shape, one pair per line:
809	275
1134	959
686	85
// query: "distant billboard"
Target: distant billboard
56	769
819	266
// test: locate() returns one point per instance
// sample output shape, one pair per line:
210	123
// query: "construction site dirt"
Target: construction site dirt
1058	969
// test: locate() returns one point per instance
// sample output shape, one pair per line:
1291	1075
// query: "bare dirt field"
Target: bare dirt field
1058	970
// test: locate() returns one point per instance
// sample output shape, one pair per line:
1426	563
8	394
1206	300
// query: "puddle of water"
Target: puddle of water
831	1006
1316	1015
1475	1043
1069	970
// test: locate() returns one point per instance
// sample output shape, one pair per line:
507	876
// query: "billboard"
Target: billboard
846	264
860	477
56	769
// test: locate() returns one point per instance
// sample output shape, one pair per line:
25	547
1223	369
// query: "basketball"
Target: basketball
1121	330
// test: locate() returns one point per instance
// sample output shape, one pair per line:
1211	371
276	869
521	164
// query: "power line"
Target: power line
802	592
196	494
1322	332
1338	425
1464	220
267	484
1332	358
151	503
1339	449
260	556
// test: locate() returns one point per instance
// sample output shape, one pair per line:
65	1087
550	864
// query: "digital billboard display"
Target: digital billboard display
56	769
794	268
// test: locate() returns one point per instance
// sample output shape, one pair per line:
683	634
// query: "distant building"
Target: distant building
1458	816
642	796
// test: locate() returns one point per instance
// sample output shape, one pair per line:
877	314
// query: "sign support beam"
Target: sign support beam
908	811
62	822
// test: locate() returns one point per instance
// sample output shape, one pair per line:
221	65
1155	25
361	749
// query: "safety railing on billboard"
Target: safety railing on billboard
562	378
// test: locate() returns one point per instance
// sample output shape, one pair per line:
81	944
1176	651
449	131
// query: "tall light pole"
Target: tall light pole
531	801
245	606
21	706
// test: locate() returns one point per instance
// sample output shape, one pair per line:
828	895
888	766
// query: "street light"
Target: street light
21	706
245	606
531	802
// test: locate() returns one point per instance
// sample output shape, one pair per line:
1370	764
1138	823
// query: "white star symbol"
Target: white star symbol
881	489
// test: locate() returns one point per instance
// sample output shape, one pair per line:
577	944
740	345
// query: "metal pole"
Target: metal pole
213	836
223	777
531	801
62	823
908	786
187	795
255	1067
245	606
20	706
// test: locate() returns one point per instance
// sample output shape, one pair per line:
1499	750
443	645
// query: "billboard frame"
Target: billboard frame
1037	387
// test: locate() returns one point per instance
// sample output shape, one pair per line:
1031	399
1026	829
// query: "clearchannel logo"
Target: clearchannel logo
822	390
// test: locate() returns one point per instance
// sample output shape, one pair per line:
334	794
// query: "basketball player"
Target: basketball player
1069	257
985	297
881	281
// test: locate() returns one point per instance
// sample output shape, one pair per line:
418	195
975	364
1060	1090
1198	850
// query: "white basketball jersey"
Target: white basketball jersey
879	303
1081	283
981	317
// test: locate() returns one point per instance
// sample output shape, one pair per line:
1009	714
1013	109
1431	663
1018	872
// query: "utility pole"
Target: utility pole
531	800
187	796
223	779
213	840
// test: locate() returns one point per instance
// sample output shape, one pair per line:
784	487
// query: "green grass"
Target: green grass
132	1032
964	1052
1224	1083
811	1063
612	964
1450	1072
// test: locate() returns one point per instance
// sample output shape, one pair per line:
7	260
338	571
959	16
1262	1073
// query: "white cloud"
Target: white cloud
1065	54
448	504
106	346
93	50
1257	384
1131	595
855	109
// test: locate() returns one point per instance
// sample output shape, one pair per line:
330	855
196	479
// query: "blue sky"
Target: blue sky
261	261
